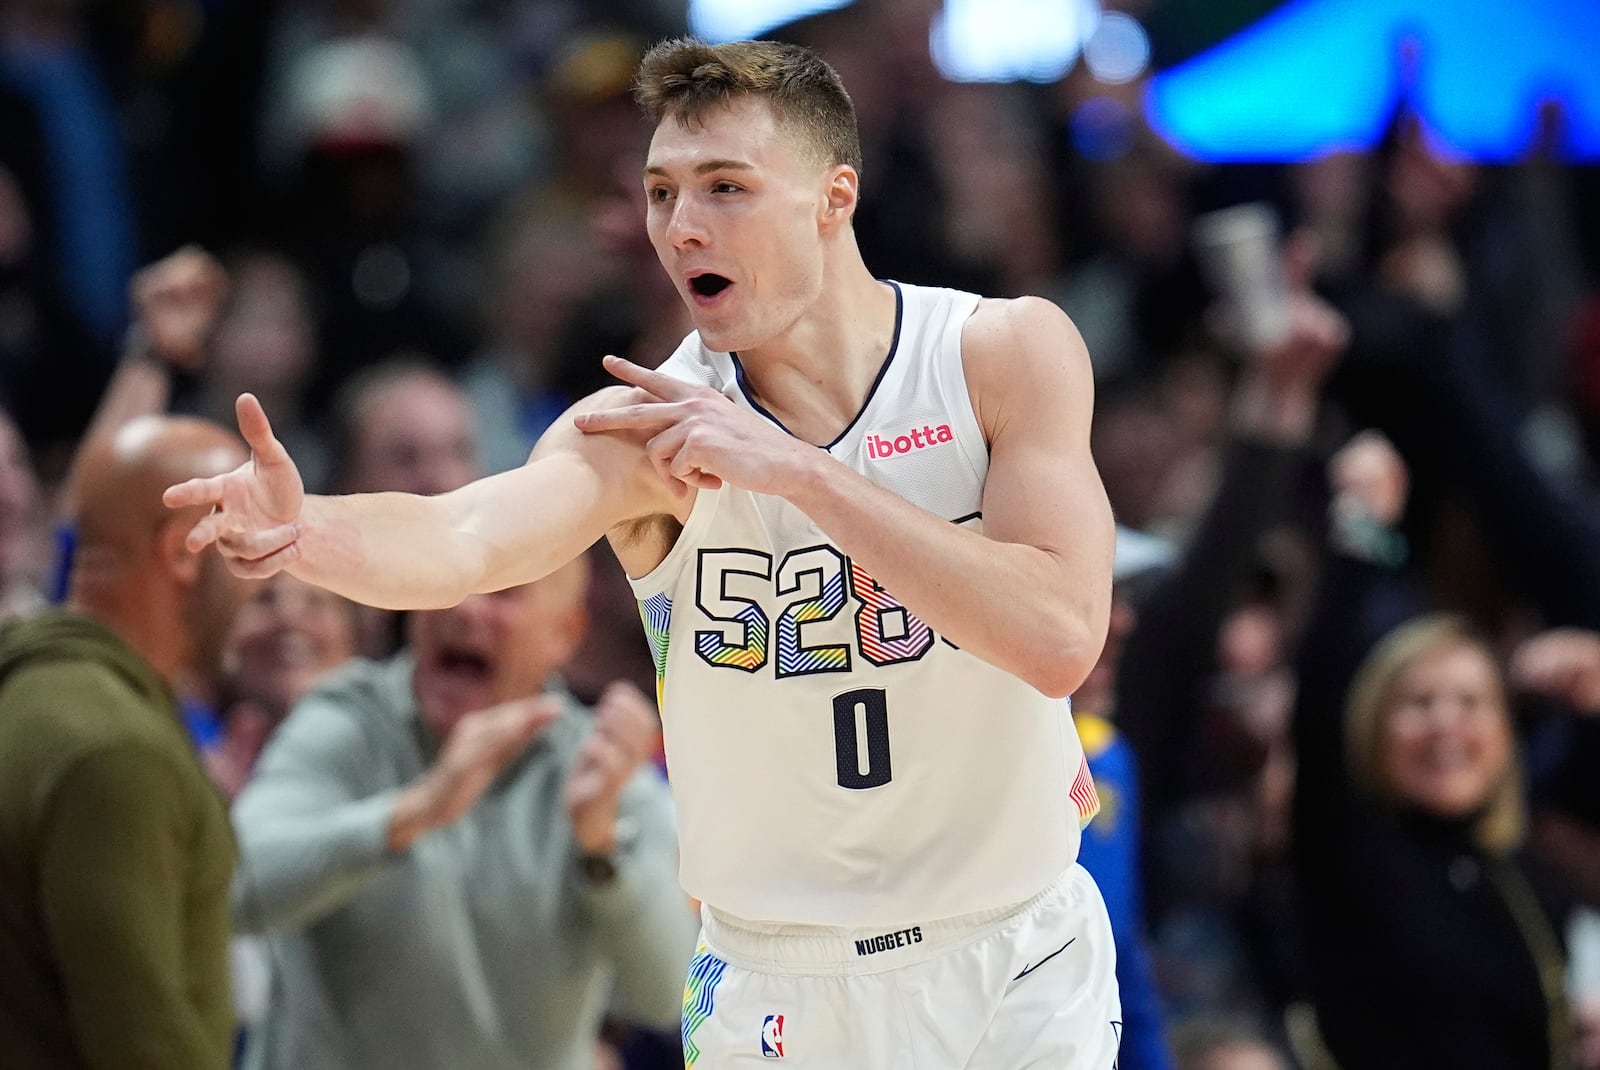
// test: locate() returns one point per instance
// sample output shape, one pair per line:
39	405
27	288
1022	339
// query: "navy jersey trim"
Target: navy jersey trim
883	371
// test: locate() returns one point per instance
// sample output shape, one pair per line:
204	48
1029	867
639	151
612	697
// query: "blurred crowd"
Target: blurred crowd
1344	724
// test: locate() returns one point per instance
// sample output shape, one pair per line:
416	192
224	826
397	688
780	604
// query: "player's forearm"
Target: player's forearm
405	551
1040	614
393	551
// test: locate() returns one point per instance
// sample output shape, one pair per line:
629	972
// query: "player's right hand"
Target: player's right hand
255	509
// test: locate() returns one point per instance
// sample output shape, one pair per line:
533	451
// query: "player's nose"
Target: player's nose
686	226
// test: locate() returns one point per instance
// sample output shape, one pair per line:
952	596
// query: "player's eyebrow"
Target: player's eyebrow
705	167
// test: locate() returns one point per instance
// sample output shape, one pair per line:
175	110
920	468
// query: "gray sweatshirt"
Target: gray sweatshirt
482	947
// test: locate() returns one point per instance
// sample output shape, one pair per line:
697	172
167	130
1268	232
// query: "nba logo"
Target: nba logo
772	1036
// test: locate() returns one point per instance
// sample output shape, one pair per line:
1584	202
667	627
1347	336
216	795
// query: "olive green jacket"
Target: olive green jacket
115	861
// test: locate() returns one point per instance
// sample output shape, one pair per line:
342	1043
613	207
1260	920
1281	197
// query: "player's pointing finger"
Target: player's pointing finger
206	491
658	383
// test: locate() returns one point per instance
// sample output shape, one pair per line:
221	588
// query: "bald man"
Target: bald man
115	851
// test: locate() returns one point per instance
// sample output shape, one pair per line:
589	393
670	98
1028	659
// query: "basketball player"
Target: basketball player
873	557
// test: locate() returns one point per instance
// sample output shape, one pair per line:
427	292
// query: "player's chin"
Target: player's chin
720	334
716	337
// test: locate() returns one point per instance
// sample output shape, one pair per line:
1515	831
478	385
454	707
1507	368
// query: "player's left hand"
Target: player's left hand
699	437
623	738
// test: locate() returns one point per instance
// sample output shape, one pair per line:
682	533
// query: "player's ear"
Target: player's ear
844	191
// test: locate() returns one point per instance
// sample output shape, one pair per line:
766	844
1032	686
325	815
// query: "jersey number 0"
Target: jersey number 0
814	584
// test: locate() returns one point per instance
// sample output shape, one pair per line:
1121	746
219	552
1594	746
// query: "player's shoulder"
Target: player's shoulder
1021	350
1005	323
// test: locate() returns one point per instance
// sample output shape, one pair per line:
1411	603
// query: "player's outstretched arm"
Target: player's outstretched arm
407	551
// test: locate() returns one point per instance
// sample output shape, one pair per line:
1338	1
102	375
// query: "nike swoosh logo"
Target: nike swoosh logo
1044	960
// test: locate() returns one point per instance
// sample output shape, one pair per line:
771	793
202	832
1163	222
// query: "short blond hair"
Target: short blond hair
686	79
1371	702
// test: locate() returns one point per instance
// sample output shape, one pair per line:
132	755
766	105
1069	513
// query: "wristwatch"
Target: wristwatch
600	868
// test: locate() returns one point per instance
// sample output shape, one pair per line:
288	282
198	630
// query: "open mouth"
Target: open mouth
463	664
709	284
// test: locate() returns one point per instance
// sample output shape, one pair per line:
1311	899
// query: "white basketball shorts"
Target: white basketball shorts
1029	987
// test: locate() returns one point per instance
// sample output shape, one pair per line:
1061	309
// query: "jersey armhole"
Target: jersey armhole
661	578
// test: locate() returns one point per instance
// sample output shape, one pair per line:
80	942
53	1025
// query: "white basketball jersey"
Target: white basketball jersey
833	760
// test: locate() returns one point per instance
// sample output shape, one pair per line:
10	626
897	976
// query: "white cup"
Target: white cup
1242	259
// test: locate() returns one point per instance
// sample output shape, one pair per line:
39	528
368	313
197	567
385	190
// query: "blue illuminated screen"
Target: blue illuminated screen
1320	74
1312	75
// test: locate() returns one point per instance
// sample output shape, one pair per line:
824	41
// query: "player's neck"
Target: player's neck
816	375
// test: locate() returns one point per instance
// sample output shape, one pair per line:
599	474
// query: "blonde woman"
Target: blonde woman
1428	942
